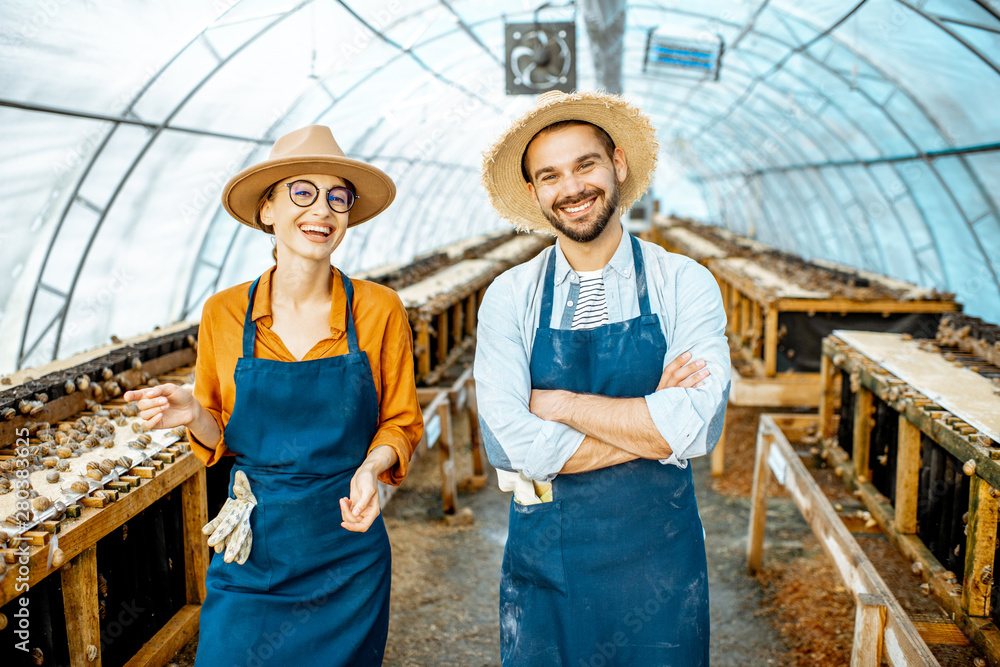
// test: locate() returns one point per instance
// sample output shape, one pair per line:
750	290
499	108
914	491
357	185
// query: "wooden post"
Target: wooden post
827	371
869	628
475	437
423	349
980	545
755	328
194	510
862	432
745	328
758	504
442	337
446	456
907	476
719	454
770	341
470	314
79	589
457	322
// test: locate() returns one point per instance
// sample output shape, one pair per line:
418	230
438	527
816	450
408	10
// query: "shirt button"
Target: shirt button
569	303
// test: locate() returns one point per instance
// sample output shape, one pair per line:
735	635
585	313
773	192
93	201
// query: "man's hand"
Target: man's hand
679	373
545	403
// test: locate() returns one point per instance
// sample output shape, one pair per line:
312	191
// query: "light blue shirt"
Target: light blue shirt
684	295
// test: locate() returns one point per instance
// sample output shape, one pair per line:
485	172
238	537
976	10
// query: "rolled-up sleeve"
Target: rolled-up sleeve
401	422
691	420
515	439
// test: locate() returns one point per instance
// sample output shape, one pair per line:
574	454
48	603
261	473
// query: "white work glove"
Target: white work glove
231	529
526	491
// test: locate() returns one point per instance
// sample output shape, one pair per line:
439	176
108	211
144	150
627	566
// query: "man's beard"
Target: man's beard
590	232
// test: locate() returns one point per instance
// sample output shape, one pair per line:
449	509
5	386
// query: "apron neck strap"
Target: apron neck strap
640	276
352	335
250	326
640	283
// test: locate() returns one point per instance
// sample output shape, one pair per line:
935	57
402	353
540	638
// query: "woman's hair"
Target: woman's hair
268	194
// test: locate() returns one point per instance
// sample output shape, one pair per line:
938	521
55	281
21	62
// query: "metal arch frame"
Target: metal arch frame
875	105
67	297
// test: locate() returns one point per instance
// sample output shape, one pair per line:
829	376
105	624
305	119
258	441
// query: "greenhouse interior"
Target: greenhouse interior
791	205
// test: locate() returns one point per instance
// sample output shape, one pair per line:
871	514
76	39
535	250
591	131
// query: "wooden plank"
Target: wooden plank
476	439
902	643
194	514
981	536
842	305
907	476
79	589
422	349
446	459
862	432
869	628
719	454
745	330
780	391
758	505
159	650
470	314
96	523
796	426
442	337
770	341
827	396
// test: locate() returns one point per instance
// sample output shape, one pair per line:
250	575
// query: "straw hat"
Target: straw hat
310	150
628	126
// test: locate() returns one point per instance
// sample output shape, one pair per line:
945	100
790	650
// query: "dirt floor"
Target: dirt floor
446	571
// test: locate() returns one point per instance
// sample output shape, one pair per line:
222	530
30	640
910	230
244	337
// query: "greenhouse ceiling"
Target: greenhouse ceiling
860	132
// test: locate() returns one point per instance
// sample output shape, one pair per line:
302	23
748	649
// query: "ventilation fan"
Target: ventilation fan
540	57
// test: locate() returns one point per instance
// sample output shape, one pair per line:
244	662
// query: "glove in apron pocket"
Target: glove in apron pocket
535	543
255	573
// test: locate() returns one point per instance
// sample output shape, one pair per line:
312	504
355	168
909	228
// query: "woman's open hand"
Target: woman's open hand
165	405
360	510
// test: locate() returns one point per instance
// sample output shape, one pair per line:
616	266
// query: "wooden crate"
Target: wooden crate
914	429
882	628
769	294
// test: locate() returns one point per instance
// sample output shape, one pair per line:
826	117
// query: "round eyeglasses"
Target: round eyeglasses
304	193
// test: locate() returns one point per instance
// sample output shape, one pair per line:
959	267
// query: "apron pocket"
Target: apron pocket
535	543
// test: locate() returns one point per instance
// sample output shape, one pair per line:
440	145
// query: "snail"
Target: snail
7	414
106	373
50	462
83	383
97	391
62	465
138	427
145	438
69	387
106	467
95	475
131	410
64	452
124	462
108	442
136	444
52	476
58	558
79	487
41	503
121	421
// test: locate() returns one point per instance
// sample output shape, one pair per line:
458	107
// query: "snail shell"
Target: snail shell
64	452
41	503
38	657
3	619
124	462
69	387
112	388
98	391
52	476
153	382
83	383
969	467
5	466
79	487
8	413
131	410
136	363
36	408
108	442
50	462
179	431
145	438
121	421
24	406
95	474
114	412
136	444
106	467
138	427
62	465
59	507
92	465
58	558
106	373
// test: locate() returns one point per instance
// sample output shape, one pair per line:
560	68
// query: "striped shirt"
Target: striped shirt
591	306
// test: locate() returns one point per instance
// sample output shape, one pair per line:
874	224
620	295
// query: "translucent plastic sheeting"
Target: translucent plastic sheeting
863	132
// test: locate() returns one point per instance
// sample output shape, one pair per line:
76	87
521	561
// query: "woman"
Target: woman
307	377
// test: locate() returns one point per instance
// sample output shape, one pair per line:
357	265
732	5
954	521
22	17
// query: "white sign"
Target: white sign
777	463
433	430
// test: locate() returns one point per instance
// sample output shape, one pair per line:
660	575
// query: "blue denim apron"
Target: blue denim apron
612	571
311	592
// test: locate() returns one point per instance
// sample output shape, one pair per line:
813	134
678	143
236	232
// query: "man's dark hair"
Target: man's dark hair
606	141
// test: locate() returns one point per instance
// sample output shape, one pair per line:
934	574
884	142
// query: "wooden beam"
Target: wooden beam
827	396
981	536
758	505
446	458
194	515
907	476
171	638
862	432
869	628
442	336
770	341
79	589
780	391
422	349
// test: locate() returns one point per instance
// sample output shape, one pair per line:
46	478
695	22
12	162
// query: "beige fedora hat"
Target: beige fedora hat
628	126
310	150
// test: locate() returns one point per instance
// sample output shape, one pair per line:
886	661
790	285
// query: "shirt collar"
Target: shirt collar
338	307
621	261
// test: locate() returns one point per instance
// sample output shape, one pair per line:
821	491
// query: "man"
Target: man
581	414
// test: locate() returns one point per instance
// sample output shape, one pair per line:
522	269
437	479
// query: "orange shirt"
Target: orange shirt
383	333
